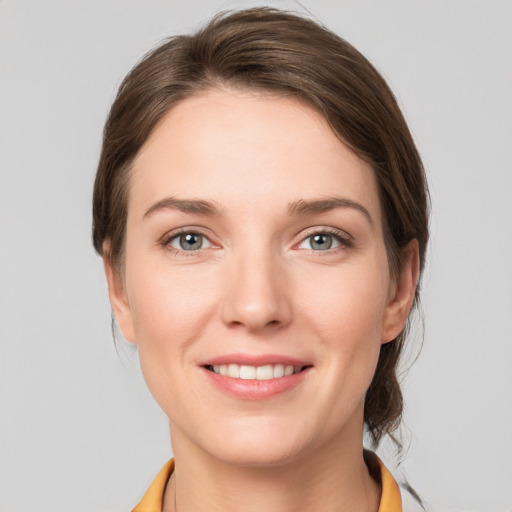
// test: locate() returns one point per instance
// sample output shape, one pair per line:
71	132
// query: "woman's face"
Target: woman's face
254	248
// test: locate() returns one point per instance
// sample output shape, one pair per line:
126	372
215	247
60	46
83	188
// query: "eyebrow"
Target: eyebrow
298	208
304	207
194	206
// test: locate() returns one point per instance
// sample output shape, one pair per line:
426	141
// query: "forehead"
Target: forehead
254	146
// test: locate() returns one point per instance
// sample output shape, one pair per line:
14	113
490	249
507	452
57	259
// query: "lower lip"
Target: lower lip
252	389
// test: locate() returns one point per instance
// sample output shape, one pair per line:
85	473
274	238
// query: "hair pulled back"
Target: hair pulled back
285	54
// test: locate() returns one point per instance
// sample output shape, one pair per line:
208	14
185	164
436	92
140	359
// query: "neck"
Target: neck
330	479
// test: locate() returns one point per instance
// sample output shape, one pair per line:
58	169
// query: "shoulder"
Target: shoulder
410	499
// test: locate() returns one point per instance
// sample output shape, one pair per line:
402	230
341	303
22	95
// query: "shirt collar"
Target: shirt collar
152	501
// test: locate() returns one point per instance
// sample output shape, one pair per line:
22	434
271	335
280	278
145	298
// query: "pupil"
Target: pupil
191	241
322	242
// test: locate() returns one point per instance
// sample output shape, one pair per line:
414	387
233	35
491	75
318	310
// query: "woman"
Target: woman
262	214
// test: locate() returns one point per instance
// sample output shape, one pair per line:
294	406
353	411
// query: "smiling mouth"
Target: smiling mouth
246	372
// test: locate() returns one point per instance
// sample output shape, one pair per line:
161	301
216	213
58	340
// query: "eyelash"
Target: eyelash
166	241
346	242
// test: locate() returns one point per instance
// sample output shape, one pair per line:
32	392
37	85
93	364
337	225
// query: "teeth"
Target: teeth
278	371
246	372
233	371
265	372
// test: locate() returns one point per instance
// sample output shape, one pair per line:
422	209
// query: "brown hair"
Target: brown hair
271	50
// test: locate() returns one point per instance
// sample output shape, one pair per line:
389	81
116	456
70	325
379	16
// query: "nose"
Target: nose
257	295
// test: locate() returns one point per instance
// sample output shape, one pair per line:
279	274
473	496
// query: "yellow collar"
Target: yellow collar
152	500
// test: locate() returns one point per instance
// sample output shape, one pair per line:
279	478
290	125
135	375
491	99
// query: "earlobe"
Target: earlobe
402	293
117	296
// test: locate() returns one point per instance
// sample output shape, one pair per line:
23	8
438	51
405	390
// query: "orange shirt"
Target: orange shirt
152	500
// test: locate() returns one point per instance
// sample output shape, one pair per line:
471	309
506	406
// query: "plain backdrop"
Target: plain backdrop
78	429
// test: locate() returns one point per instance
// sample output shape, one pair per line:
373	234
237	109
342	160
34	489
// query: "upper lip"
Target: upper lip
254	360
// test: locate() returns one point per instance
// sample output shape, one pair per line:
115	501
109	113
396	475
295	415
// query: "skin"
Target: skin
259	286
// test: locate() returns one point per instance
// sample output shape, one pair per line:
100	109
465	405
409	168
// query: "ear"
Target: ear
402	293
118	297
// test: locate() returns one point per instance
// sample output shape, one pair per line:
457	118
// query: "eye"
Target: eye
324	241
188	241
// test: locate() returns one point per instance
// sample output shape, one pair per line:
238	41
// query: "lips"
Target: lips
255	377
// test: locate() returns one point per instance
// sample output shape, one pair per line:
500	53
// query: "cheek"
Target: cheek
168	308
171	310
346	316
347	304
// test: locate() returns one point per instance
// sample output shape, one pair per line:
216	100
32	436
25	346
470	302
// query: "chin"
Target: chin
259	456
258	445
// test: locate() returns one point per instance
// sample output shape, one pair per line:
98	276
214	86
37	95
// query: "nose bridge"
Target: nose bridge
257	296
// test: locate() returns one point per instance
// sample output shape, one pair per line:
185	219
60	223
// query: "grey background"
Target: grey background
78	429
